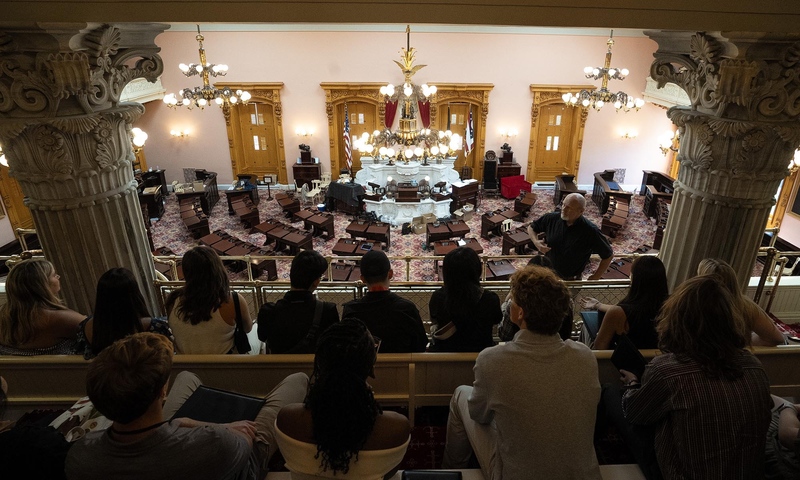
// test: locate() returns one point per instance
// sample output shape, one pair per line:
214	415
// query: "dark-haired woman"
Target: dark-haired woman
635	315
340	431
707	396
202	314
119	311
463	311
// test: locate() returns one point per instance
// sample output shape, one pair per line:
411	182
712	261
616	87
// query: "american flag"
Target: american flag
348	153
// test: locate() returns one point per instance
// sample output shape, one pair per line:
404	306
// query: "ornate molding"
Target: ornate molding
738	76
87	73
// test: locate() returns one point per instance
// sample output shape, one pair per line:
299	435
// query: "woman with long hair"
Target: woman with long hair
340	431
463	311
202	314
635	314
119	311
34	321
707	396
764	331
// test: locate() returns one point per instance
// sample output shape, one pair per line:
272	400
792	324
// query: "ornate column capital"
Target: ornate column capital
737	75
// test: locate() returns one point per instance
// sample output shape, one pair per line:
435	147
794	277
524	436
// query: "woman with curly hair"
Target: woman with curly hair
33	321
635	315
463	311
202	314
340	431
119	311
763	330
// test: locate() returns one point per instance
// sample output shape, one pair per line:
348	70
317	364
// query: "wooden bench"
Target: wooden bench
411	379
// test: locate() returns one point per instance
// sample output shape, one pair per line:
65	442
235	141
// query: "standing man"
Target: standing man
293	323
541	428
393	319
570	239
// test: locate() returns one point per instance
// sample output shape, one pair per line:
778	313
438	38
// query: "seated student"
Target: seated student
463	311
706	396
293	324
202	314
393	319
340	431
508	329
530	412
33	320
635	314
119	311
764	332
783	442
128	383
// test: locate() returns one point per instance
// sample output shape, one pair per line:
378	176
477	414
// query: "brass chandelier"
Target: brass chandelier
408	143
596	99
204	95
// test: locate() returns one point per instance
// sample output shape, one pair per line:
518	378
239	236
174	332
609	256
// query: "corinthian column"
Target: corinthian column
736	141
67	139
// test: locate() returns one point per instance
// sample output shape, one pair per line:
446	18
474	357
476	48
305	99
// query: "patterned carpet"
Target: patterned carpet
170	231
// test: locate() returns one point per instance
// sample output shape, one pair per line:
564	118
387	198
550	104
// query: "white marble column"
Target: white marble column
67	139
736	141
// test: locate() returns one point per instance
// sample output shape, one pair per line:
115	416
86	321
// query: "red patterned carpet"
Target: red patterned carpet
169	231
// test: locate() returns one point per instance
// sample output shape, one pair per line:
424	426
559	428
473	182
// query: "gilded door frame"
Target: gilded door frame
475	94
788	192
550	95
269	93
337	93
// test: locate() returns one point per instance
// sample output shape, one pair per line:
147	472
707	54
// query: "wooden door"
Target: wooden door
258	141
363	118
13	199
456	122
552	154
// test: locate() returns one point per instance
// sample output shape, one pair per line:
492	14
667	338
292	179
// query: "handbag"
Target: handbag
240	340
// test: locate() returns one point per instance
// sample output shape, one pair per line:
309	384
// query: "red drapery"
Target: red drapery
425	113
391	111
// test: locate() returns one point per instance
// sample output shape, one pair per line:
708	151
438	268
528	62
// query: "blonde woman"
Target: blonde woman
764	331
33	321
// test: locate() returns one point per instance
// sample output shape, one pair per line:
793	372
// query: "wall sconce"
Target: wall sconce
508	133
302	132
670	142
179	133
139	138
794	163
3	159
629	134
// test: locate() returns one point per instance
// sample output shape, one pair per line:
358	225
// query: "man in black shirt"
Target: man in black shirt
570	239
288	325
393	319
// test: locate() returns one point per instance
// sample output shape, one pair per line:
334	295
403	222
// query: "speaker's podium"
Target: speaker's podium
490	183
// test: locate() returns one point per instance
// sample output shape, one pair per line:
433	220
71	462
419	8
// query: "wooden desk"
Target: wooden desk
516	240
340	272
509	214
463	193
357	228
210	239
223	246
231	195
507	170
265	226
276	234
602	191
662	182
523	205
321	223
436	232
345	247
458	228
379	232
306	173
563	187
151	197
443	247
490	223
499	270
289	205
304	214
152	178
296	241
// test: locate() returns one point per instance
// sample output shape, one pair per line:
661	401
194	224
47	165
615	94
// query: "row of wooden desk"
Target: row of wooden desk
193	217
316	221
285	236
445	231
491	221
376	231
226	245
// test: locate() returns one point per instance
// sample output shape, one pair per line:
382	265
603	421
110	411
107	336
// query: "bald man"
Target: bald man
570	239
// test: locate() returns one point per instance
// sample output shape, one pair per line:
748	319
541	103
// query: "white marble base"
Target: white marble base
398	213
377	172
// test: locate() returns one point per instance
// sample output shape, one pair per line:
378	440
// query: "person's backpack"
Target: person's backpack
406	228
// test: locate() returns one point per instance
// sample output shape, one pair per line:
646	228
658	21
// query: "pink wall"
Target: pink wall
303	60
790	229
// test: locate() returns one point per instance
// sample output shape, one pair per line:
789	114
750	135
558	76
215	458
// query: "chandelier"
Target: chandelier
596	99
408	143
202	96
